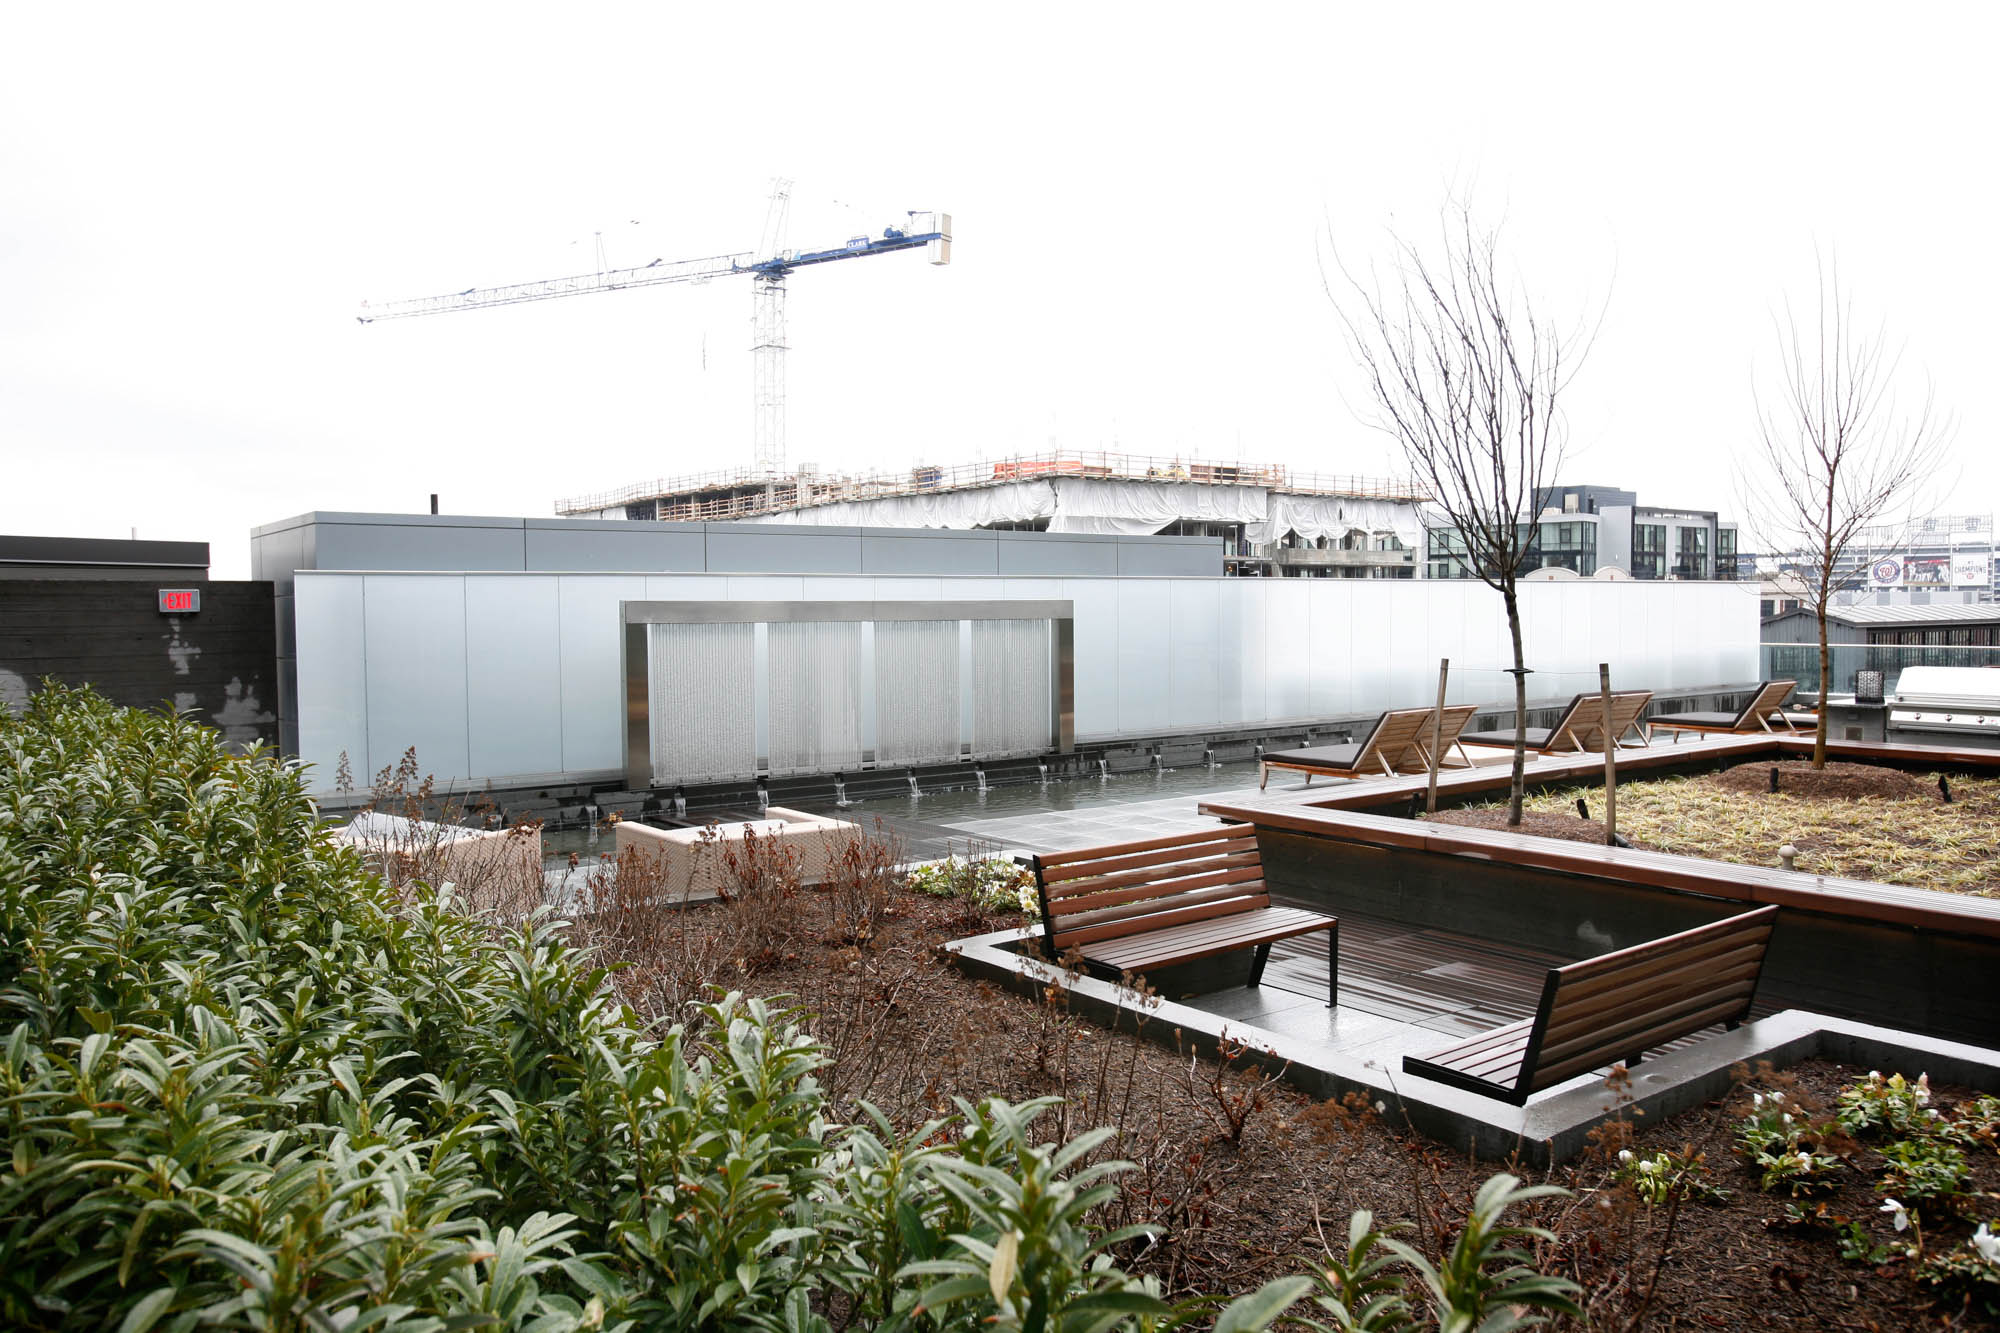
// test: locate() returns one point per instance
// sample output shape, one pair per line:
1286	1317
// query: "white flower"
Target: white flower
1777	1098
1902	1213
1805	1161
1756	1101
1923	1089
1381	1108
1874	1076
1788	1117
1624	1154
1987	1244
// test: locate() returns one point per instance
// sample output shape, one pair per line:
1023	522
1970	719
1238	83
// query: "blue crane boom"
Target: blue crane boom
768	272
658	273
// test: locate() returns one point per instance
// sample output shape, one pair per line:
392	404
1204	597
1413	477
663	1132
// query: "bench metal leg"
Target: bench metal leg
1333	965
1257	961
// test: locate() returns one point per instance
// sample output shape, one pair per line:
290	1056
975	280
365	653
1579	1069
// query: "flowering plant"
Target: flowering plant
1893	1104
1662	1176
993	882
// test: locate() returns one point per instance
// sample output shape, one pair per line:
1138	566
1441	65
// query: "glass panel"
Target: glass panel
815	683
1800	662
703	718
916	691
1010	687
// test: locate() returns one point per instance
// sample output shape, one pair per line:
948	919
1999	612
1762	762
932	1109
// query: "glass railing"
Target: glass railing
1800	662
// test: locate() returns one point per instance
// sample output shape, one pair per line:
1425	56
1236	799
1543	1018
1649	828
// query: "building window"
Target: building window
1649	550
1691	554
1725	553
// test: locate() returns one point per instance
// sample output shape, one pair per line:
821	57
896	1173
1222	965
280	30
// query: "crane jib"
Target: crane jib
780	267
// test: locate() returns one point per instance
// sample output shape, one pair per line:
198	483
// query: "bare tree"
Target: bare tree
1465	376
1836	453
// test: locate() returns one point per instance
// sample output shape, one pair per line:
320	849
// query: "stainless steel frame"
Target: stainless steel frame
638	615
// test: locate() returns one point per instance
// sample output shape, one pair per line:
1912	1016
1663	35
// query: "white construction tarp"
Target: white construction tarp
1122	508
1014	502
1142	508
1315	516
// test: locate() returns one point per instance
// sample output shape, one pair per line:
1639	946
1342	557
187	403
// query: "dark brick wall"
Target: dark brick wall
110	635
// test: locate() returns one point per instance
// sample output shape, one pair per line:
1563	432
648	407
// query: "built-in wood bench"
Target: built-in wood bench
1137	907
1614	1007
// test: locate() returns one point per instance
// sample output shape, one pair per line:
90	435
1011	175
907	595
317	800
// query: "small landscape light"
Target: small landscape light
1787	854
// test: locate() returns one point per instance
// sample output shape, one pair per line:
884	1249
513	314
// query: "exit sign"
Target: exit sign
180	601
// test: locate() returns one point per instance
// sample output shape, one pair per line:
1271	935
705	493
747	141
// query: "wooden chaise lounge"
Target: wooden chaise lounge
1614	1007
1754	716
1580	727
1137	907
1398	743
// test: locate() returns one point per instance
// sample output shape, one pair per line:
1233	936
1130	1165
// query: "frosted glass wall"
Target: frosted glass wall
815	696
916	691
702	708
1011	684
437	661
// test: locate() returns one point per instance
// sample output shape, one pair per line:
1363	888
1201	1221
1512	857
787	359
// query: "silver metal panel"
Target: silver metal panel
760	691
1145	644
415	672
736	613
593	669
513	670
619	548
869	731
965	687
332	697
1194	670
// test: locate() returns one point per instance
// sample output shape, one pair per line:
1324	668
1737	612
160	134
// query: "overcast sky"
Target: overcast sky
195	200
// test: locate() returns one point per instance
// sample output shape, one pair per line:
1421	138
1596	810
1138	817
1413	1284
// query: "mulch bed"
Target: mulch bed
1539	823
1838	780
908	1033
1856	821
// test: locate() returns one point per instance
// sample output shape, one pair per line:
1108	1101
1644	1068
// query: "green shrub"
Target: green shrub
246	1084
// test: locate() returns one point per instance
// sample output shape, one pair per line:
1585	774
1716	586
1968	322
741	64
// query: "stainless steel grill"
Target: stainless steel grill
1947	705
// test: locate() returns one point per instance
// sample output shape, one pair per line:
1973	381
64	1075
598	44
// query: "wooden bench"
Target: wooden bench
1614	1007
1136	907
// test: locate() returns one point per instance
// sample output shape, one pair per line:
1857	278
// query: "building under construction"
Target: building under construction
1273	521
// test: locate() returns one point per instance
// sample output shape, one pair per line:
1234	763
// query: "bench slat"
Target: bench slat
1220	833
1165	948
1145	863
1666	969
1630	1040
1246	894
1701	982
1064	891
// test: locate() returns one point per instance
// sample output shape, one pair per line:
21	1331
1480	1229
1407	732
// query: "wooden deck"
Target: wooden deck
1452	984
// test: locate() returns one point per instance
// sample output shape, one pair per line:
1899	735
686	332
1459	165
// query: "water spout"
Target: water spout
763	798
914	789
680	803
1043	769
1209	756
840	790
979	775
1103	768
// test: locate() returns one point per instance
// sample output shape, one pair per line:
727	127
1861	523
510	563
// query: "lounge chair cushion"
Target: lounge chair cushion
1698	719
1331	756
1537	737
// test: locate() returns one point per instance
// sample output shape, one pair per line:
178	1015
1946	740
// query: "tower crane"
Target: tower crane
768	268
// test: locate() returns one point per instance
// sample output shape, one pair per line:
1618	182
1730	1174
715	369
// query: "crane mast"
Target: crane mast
767	269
